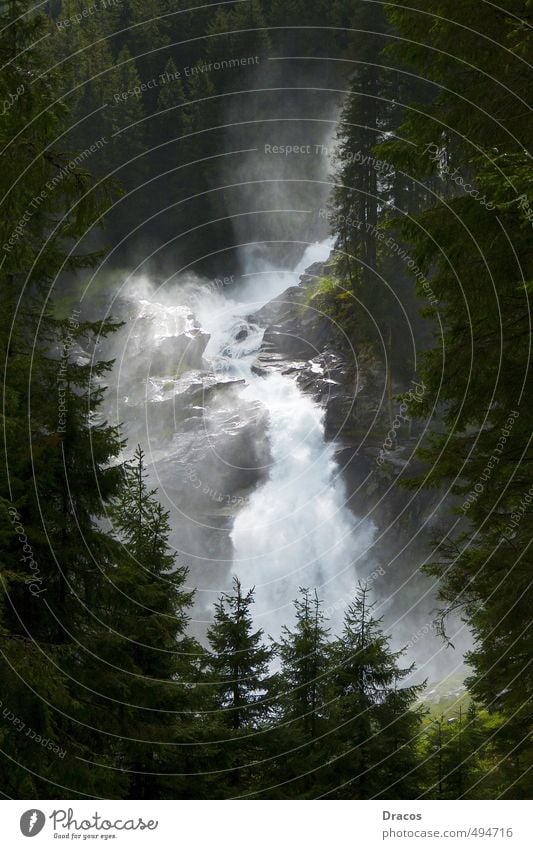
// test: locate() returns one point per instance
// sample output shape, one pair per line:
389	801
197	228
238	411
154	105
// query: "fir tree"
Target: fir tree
461	759
303	698
238	664
377	725
238	660
155	663
237	34
142	28
48	204
127	112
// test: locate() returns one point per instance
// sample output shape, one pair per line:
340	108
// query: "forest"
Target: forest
160	137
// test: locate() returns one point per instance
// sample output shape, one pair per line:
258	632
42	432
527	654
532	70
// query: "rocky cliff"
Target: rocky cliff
375	438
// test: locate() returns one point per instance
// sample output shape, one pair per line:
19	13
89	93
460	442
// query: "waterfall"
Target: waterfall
296	529
214	427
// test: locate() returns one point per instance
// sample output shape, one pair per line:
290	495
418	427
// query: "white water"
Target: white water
294	530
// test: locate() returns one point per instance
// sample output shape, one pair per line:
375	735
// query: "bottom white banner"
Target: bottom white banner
263	825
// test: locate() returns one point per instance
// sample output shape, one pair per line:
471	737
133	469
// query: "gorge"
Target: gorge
263	430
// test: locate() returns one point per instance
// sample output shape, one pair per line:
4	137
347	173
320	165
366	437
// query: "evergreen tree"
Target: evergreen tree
126	113
432	183
142	28
303	698
239	667
165	128
240	33
362	122
198	170
476	233
377	726
462	761
126	132
238	660
48	204
85	79
374	299
154	663
171	94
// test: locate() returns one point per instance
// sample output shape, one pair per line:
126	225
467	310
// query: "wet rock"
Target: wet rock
161	406
178	353
162	340
242	334
280	308
304	344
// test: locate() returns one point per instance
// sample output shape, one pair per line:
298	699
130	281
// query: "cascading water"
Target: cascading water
293	529
296	529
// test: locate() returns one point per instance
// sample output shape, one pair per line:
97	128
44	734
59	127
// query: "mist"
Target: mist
241	460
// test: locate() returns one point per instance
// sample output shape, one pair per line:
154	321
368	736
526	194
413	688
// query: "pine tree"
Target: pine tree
171	94
142	28
238	660
377	726
238	663
73	480
166	126
101	84
126	133
198	172
48	204
86	78
462	761
362	122
155	664
126	113
304	702
374	299
240	33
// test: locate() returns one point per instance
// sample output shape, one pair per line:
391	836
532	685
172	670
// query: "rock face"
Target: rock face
358	406
179	353
294	329
376	453
302	342
162	340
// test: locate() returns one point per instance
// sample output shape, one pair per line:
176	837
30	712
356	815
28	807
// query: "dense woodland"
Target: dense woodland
96	657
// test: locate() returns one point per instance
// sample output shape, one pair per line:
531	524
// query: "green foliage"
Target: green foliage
369	194
95	652
377	723
461	757
146	611
238	665
238	660
453	189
